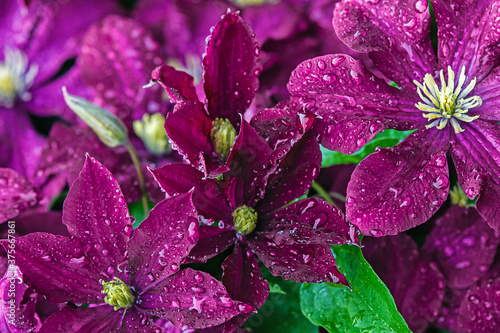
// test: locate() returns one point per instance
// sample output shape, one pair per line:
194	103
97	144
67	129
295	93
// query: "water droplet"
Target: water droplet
474	299
406	202
110	270
350	201
337	61
361	142
328	78
198	277
441	181
237	94
439	161
107	221
421	6
377	232
463	264
198	289
308	255
321	65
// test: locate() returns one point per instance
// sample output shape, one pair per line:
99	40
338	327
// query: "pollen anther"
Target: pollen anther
449	103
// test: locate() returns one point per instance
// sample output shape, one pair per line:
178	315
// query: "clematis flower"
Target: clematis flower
249	207
450	101
37	38
204	134
128	280
413	278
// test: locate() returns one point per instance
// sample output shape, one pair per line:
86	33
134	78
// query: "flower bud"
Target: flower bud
152	132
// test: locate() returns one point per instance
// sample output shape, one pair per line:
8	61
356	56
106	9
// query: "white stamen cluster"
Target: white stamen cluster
448	103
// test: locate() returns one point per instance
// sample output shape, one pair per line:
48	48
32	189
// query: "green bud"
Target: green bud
119	295
108	128
223	135
245	219
152	132
458	197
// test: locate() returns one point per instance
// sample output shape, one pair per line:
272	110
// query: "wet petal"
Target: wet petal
301	263
468	35
244	281
488	90
118	55
162	241
250	165
353	105
137	322
178	85
56	267
50	222
463	245
294	175
395	189
191	298
208	196
308	221
231	68
476	154
212	241
396	34
96	319
16	194
188	128
96	213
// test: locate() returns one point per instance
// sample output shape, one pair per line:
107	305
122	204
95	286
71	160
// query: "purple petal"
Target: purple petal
250	164
474	40
308	221
476	154
244	281
96	213
137	322
188	128
162	241
178	85
16	194
479	308
294	175
56	267
353	104
450	310
14	316
208	196
487	89
396	34
301	263
191	298
118	55
395	189
463	246
212	241
95	319
50	222
231	68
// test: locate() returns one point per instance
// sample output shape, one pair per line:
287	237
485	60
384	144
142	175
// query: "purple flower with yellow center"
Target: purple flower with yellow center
250	207
450	101
205	134
129	280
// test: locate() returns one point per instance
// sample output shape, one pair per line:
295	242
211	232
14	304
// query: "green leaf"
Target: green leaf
367	307
275	288
137	211
281	311
388	138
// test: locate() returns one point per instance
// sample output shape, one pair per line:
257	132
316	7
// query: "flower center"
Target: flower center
152	132
119	295
223	135
449	103
245	219
16	77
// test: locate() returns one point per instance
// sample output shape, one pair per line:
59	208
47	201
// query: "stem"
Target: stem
137	165
322	193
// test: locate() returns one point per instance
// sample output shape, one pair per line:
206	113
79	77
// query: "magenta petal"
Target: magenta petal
50	222
488	90
294	175
303	263
479	311
250	163
396	34
212	241
208	196
308	221
188	128
463	245
476	154
395	189
95	319
56	267
137	322
118	55
178	85
16	194
464	45
191	298
96	213
231	68
162	241
244	281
